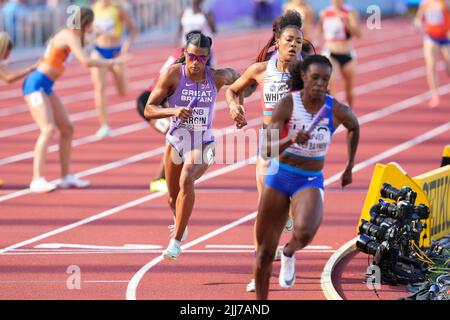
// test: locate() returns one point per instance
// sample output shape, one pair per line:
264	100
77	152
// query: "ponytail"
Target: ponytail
86	18
264	54
6	44
290	19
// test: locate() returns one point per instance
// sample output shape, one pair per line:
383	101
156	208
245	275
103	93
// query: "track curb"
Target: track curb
326	280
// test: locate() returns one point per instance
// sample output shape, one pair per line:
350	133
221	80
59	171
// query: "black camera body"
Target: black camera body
392	228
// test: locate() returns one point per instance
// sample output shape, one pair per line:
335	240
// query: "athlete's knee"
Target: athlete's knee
66	130
264	256
122	91
48	130
172	202
303	236
187	179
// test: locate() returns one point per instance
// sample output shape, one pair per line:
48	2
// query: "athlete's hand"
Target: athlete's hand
301	138
346	177
183	113
237	113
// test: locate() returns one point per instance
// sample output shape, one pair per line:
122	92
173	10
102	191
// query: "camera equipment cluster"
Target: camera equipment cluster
392	229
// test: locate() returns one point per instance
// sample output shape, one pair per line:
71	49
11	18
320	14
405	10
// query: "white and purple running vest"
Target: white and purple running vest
197	130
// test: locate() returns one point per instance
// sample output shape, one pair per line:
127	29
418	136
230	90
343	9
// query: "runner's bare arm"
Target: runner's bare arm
347	118
233	94
166	85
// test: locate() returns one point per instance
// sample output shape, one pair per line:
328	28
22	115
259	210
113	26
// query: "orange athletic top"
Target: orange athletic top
56	57
437	19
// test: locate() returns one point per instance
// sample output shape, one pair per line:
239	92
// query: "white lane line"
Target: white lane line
125	206
115	133
97	247
359	90
132	286
404	104
58	281
397	149
225	55
140	252
126	161
88	95
229	246
134	282
108	212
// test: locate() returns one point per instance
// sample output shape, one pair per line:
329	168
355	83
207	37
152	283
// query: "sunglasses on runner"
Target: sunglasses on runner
193	57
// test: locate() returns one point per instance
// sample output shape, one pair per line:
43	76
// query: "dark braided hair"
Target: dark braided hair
295	83
290	19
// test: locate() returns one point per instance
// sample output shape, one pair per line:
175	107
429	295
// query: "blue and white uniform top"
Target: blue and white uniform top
274	86
316	147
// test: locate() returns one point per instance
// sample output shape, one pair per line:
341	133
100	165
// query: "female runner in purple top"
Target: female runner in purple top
191	88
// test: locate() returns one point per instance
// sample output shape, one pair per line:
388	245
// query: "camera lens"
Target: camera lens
383	221
389	192
367	245
422	211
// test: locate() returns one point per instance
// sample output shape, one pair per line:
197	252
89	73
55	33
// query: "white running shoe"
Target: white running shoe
287	271
103	132
41	185
289	225
173	250
251	287
70	181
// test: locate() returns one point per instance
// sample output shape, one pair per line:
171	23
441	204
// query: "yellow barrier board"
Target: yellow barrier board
393	174
446	156
436	184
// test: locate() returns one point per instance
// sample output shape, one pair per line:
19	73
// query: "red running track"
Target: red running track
42	235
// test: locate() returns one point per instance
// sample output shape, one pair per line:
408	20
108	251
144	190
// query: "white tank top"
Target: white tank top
191	21
333	26
274	86
316	147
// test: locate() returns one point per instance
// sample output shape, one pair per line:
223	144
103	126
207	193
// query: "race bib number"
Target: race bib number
199	120
36	99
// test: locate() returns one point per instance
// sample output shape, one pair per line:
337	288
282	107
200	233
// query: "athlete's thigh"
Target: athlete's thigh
60	113
272	214
119	72
98	74
198	160
307	207
430	51
173	165
348	71
445	50
40	108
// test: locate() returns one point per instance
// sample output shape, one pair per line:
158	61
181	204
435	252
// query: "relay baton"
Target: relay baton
177	123
319	116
